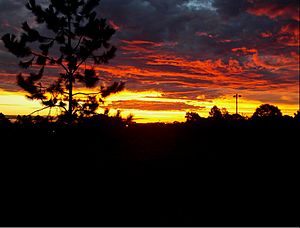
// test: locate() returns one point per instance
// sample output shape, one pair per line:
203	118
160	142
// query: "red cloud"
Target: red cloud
215	37
148	43
141	46
275	10
270	62
290	28
135	48
114	25
144	46
140	42
266	34
244	50
227	41
204	34
289	35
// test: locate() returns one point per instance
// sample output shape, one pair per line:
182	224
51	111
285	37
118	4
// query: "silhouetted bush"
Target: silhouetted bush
4	121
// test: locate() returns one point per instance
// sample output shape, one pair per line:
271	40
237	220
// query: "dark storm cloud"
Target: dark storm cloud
12	13
160	21
178	21
227	24
152	20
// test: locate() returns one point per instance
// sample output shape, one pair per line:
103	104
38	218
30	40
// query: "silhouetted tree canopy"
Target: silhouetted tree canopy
24	120
215	113
236	117
4	121
80	37
267	111
297	115
192	117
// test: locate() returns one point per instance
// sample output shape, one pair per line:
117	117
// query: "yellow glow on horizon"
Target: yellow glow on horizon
145	116
248	107
132	95
15	103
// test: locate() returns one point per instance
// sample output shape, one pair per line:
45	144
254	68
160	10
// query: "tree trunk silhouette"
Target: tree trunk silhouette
70	75
70	114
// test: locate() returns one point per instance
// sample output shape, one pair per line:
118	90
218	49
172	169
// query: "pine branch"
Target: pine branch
39	110
86	94
51	59
76	68
79	42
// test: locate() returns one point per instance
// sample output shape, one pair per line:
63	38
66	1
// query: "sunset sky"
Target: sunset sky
183	55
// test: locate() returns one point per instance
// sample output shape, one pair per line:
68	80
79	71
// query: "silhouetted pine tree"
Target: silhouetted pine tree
79	37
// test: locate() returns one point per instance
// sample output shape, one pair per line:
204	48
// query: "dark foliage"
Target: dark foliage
115	173
16	47
297	115
80	36
267	111
192	117
205	172
4	121
215	113
114	88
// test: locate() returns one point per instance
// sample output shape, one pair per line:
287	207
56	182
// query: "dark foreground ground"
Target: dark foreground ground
150	175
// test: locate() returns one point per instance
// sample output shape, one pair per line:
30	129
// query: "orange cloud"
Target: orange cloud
232	74
244	50
271	62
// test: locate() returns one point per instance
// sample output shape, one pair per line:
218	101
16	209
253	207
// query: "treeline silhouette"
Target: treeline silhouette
266	113
221	170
